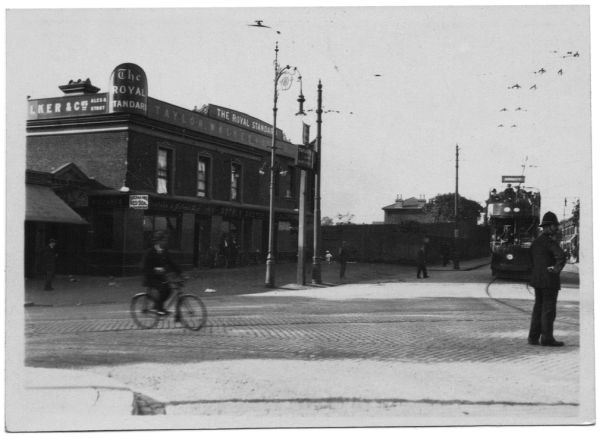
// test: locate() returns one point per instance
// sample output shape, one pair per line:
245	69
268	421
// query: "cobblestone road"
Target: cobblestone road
424	330
388	349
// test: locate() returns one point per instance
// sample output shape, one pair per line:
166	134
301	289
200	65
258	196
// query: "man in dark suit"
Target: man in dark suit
157	266
343	259
49	257
548	261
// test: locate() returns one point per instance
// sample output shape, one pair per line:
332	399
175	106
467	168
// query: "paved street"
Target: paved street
396	351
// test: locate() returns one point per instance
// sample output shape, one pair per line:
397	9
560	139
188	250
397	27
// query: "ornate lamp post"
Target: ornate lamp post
279	72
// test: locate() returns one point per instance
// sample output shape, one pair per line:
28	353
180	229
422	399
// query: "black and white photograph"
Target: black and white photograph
298	216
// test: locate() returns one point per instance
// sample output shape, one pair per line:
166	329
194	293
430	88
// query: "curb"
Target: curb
144	405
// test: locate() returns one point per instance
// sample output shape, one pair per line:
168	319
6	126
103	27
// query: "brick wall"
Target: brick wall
98	155
398	243
142	159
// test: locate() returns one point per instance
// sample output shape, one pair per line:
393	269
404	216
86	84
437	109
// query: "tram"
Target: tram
513	215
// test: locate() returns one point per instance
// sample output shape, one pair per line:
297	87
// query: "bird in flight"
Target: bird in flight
515	86
503	109
258	23
576	54
513	126
500	126
377	74
533	87
541	71
560	72
520	109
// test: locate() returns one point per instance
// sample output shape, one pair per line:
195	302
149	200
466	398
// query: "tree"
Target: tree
326	221
441	207
344	218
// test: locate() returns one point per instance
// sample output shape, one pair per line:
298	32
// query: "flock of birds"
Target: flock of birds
539	73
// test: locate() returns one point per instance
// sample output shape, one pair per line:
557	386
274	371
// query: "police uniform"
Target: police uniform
548	260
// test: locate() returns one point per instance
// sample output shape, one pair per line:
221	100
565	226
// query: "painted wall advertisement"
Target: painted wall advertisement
80	105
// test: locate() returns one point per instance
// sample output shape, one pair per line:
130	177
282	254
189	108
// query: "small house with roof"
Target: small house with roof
411	209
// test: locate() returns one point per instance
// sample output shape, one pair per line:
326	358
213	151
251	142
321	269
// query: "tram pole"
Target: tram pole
456	251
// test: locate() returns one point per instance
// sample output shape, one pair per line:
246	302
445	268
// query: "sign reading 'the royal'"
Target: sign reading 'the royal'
128	89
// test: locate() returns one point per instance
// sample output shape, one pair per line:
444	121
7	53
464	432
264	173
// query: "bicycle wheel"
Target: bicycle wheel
191	312
140	307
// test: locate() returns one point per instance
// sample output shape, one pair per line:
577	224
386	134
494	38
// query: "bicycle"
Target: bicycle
190	311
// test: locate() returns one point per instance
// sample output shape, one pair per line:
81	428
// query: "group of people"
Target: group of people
511	194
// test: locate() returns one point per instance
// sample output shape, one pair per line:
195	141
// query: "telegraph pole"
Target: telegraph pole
456	252
300	272
316	268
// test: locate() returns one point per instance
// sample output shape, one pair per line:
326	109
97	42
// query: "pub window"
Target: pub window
202	182
236	180
163	171
103	230
170	223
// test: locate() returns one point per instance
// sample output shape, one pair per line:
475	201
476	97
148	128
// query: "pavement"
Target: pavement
78	399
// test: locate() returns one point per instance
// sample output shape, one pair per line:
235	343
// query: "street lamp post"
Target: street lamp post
270	265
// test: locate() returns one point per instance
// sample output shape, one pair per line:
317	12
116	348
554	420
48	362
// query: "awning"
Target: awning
45	206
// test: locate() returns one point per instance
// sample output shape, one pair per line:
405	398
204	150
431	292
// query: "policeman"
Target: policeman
548	260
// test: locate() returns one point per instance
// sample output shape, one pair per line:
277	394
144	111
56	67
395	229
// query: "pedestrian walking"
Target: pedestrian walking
343	259
548	261
49	256
422	261
328	256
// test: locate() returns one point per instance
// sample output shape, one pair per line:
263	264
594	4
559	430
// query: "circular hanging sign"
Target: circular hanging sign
285	82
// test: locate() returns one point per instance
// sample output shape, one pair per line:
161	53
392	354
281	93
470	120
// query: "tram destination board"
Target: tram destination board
513	179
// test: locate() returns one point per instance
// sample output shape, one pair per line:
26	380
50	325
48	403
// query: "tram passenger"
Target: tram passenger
493	195
509	192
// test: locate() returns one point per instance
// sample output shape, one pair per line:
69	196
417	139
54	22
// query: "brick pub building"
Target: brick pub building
105	170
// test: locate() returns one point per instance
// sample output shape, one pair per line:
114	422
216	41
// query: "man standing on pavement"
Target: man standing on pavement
548	261
49	256
343	259
421	261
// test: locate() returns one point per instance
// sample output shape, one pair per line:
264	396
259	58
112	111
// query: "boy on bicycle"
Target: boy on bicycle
157	266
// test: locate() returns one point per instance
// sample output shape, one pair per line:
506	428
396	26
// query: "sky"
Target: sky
402	86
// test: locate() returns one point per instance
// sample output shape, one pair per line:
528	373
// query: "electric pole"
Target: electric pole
456	252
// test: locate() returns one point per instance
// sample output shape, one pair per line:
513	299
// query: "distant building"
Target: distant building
569	233
411	209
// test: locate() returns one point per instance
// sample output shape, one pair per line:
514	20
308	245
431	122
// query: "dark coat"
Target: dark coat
343	255
545	252
153	260
421	257
48	258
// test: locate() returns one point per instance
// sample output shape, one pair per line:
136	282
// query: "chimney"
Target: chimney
79	87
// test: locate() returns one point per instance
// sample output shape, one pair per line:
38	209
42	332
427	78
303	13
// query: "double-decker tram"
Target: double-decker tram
513	214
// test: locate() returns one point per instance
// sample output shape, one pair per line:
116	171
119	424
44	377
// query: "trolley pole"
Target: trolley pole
456	251
316	267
